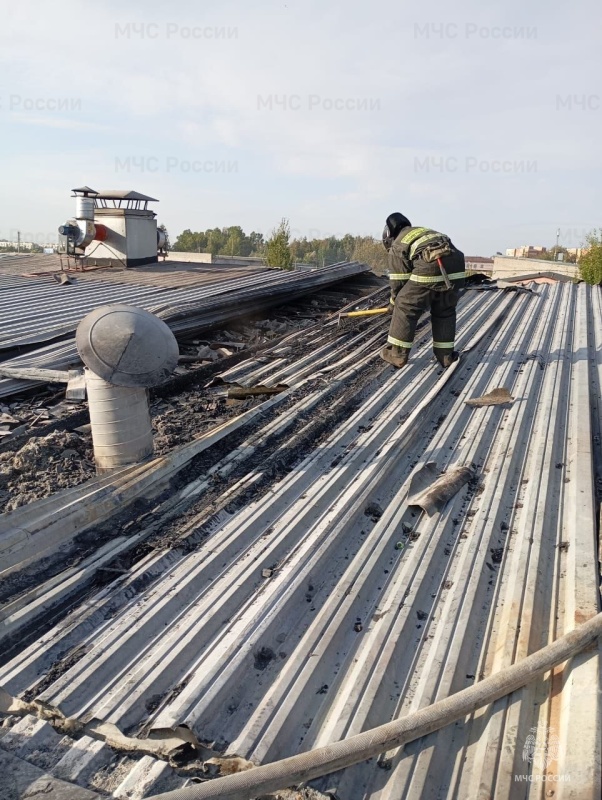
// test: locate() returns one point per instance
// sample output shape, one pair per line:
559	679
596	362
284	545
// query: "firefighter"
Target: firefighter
426	272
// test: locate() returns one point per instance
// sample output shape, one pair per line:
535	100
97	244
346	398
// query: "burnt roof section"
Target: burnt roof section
347	611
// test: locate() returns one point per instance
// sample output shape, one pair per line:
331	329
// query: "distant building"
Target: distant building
4	244
527	251
577	251
478	264
509	267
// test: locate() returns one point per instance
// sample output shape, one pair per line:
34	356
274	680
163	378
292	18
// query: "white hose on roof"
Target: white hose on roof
336	756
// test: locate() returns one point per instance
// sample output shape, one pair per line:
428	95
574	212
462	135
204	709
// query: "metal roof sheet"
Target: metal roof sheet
372	608
39	310
123	194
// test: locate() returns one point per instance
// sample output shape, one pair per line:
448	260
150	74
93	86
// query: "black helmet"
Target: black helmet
394	224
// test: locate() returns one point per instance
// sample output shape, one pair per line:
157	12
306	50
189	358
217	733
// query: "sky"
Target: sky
483	121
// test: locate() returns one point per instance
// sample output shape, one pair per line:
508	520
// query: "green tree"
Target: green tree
590	264
232	241
182	240
215	241
283	251
299	249
348	245
371	251
256	244
278	252
234	244
189	242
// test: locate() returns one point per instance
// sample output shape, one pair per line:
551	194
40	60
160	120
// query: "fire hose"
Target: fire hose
333	757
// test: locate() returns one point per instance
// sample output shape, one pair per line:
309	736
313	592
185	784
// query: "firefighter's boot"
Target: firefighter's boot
446	360
397	356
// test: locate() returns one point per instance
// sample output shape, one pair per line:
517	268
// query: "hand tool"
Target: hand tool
370	312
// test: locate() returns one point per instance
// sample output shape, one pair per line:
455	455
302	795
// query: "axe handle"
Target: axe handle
448	284
367	313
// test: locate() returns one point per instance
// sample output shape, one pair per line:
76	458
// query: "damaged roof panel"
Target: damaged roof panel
33	311
327	603
40	311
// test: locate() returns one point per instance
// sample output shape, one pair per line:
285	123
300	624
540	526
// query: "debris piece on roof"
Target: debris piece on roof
63	278
242	392
35	374
189	360
42	413
431	491
496	397
374	511
549	277
163	746
8	705
226	766
37	469
76	388
15	431
513	287
59	410
232	345
476	278
217	390
205	353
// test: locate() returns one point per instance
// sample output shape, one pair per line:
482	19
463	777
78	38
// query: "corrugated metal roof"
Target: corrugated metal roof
20	263
53	356
174	274
16	282
372	608
40	310
171	273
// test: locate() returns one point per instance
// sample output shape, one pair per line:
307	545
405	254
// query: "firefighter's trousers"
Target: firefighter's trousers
412	300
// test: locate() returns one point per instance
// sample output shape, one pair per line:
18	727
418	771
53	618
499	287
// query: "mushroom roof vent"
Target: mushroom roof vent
127	346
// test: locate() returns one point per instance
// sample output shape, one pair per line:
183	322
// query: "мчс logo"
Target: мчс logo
542	747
